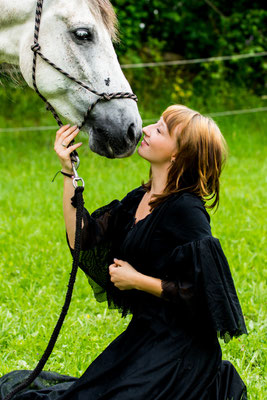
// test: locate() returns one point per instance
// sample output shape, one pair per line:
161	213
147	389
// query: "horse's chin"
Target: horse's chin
109	147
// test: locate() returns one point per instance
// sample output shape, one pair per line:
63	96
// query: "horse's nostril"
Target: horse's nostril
131	133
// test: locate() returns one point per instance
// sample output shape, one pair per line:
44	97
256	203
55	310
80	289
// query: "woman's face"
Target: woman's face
158	147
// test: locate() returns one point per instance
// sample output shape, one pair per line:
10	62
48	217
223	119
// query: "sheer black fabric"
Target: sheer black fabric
41	385
202	272
170	290
170	349
102	234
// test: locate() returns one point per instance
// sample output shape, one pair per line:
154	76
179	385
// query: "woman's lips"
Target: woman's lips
144	142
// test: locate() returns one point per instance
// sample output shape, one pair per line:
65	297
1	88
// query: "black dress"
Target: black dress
170	349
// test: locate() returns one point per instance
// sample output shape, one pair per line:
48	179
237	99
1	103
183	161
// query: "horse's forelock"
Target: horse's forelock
102	9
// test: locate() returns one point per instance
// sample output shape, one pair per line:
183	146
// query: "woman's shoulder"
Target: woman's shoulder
134	194
187	217
186	204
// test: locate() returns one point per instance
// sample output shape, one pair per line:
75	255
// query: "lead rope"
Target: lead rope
37	370
78	194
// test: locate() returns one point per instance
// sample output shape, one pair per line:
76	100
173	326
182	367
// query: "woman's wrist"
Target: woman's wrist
67	171
138	281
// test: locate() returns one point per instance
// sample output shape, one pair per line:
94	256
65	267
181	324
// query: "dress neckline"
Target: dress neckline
139	196
135	222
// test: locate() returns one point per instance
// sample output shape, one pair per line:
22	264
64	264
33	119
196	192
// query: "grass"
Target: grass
35	261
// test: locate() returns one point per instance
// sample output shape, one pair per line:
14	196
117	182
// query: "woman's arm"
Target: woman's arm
167	290
63	138
126	277
148	284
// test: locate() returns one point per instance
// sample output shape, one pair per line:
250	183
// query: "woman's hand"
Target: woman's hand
123	275
63	137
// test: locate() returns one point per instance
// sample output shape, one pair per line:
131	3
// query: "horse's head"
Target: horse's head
76	35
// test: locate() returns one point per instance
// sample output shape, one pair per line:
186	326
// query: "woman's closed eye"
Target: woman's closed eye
158	130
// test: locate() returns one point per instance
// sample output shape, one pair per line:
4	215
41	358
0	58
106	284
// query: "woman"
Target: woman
152	254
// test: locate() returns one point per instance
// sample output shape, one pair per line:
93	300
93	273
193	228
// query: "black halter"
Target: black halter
37	50
77	201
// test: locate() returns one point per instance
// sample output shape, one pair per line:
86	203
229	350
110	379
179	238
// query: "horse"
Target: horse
77	36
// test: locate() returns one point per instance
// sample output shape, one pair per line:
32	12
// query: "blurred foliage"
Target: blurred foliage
153	30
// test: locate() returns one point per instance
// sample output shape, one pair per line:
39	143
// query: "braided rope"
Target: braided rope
54	336
38	14
36	48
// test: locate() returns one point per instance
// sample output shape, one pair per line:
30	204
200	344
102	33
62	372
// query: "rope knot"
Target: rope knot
36	47
107	96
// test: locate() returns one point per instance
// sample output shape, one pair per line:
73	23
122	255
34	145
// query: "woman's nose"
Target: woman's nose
146	130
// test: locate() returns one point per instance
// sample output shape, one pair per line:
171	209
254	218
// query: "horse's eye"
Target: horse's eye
83	34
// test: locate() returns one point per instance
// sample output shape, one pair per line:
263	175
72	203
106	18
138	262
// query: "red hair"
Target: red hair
201	154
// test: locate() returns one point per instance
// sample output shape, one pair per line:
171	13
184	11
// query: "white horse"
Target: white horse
76	35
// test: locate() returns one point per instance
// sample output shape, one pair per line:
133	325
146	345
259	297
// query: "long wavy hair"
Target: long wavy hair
201	155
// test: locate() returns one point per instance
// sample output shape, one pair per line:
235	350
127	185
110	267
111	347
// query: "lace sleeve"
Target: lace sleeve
169	290
180	292
200	279
101	236
197	274
97	225
172	290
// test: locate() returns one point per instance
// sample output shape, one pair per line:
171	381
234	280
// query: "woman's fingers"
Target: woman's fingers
67	135
65	130
64	136
69	138
62	129
73	147
69	131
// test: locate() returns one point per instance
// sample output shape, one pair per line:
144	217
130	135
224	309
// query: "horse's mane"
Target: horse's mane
11	73
103	10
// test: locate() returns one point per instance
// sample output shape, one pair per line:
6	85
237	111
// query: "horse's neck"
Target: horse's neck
13	19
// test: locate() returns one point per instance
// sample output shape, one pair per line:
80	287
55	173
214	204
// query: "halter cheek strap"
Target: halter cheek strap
36	48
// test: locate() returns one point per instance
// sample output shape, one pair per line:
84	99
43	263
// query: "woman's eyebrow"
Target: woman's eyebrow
162	125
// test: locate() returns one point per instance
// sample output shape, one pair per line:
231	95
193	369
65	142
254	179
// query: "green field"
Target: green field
35	260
